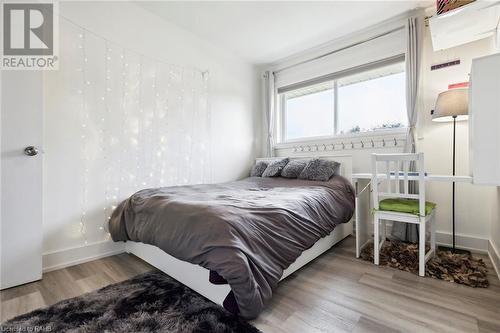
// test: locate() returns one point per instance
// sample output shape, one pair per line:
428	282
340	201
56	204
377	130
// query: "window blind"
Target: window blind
374	53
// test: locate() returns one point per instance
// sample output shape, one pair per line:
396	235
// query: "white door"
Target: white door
21	178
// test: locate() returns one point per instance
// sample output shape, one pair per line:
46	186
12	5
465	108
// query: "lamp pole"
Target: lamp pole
454	249
449	105
453	183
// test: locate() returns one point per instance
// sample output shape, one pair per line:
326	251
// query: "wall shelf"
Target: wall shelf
466	24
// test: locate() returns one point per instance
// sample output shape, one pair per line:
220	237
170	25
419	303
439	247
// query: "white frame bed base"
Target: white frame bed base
196	277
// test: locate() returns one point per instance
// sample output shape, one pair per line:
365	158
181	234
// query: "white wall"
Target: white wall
234	102
473	203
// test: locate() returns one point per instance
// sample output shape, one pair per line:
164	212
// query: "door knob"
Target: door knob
31	151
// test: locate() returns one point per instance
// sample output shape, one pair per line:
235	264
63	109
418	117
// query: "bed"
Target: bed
249	234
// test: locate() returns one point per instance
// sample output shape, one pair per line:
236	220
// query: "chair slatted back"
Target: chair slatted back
397	174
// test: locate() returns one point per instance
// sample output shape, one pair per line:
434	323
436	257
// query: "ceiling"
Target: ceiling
264	32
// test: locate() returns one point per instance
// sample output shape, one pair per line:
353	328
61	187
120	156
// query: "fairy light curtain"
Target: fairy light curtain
116	122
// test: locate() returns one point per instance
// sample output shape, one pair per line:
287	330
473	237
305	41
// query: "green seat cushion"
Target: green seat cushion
402	205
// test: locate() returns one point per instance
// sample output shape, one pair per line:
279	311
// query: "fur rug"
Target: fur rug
151	302
445	265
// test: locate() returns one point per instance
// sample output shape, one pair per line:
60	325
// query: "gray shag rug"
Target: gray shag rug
445	265
150	302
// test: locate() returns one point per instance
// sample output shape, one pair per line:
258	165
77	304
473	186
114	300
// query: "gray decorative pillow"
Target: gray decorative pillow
258	169
293	168
274	168
319	169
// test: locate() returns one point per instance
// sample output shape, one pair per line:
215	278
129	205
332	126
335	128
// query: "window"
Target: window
364	101
308	112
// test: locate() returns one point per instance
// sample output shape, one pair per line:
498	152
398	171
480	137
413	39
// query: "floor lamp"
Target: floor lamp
452	105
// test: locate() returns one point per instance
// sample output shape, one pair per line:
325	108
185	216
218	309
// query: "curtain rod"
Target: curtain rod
340	49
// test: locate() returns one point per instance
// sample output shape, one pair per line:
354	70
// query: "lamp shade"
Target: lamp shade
452	104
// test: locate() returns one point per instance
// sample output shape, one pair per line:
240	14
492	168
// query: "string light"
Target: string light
208	116
107	161
154	149
155	158
140	127
84	118
123	124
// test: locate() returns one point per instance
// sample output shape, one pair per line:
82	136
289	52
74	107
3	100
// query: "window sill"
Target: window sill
348	138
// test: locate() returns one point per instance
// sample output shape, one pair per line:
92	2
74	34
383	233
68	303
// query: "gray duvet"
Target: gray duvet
248	231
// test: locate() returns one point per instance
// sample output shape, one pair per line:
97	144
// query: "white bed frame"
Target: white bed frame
196	277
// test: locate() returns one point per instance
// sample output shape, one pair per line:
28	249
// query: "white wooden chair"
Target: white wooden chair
396	204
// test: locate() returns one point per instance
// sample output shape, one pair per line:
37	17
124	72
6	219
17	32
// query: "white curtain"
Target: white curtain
270	105
413	63
414	34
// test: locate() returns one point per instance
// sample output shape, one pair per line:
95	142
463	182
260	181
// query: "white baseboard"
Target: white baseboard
77	255
494	257
465	242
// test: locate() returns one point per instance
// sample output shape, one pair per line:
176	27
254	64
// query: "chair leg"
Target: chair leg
421	248
383	232
375	239
433	234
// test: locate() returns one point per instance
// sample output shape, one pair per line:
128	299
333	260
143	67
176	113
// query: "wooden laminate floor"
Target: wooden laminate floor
334	293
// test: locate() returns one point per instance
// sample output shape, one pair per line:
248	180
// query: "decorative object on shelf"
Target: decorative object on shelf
452	105
445	265
458	85
444	6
